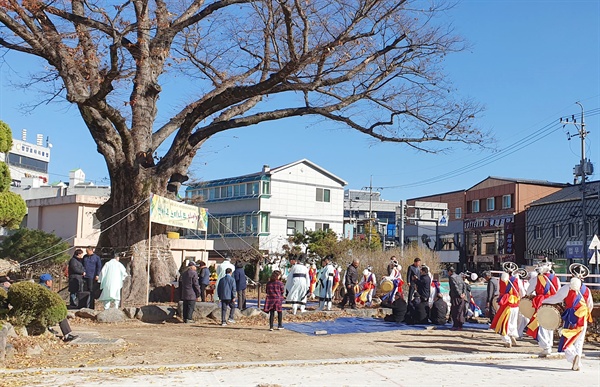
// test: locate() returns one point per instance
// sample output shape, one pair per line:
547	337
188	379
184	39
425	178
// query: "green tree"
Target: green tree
12	206
35	247
374	66
5	137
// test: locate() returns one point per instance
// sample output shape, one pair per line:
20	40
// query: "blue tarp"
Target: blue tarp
345	325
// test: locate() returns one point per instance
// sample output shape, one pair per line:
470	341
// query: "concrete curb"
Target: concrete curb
287	363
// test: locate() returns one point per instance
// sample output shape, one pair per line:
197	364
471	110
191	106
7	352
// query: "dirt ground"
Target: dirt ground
248	340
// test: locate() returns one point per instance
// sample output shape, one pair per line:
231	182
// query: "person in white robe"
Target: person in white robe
297	285
221	273
326	285
111	281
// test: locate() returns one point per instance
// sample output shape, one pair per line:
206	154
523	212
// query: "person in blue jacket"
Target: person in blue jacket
226	291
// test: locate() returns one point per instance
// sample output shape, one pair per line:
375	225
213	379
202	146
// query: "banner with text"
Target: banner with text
172	213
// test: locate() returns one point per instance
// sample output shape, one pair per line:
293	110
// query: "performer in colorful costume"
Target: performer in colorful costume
337	276
524	321
544	285
510	293
578	313
296	286
312	274
396	278
368	284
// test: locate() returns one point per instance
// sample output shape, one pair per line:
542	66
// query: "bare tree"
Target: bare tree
371	65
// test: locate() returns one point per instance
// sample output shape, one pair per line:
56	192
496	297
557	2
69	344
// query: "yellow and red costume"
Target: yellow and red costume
574	317
547	285
510	295
312	274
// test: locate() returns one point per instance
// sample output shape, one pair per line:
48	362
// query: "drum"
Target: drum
548	316
526	306
386	285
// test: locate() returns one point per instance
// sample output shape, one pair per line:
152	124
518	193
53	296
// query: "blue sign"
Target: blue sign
574	251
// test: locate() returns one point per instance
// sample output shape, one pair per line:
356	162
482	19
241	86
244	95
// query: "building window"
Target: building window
264	222
475	206
266	187
572	230
506	201
537	232
491	204
295	227
252	188
323	195
556	231
589	227
458	213
322	226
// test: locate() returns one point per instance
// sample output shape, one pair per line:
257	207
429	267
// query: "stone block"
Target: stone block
86	313
216	314
156	313
130	312
8	330
203	309
253	312
111	315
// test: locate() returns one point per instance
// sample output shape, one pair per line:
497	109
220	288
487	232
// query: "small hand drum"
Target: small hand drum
386	285
549	316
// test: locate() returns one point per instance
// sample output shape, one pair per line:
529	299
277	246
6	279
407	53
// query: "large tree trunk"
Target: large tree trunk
125	221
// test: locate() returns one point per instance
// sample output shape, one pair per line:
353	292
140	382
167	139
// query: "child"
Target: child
274	299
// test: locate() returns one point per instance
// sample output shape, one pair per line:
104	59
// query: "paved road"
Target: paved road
475	370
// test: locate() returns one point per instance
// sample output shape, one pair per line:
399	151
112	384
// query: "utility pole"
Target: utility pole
584	168
370	187
400	225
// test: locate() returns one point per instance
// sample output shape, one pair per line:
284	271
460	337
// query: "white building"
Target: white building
68	210
263	209
27	160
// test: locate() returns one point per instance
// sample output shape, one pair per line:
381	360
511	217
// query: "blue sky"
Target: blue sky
529	62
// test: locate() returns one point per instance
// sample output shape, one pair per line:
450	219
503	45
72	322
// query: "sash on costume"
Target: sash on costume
574	317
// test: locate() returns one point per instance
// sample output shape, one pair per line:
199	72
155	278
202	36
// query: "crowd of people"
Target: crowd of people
87	278
518	303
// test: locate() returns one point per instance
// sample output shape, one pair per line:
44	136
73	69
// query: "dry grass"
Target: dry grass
380	259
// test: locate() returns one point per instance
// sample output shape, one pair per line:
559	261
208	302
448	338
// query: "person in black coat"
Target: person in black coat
190	291
76	273
424	283
439	311
204	279
350	281
412	277
398	310
239	275
418	311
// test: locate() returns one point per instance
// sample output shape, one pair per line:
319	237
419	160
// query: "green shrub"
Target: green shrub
596	295
34	305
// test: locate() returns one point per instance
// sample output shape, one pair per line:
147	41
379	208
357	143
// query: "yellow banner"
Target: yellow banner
172	213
